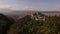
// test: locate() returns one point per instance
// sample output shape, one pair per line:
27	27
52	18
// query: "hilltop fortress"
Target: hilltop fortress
38	16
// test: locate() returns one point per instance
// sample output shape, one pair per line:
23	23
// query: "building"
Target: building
37	16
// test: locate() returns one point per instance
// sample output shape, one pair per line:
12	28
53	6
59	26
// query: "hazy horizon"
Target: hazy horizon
37	5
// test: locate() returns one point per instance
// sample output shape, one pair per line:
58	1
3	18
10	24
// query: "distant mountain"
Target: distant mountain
19	13
5	10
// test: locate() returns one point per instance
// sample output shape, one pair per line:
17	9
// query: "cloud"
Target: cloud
16	7
40	8
30	4
5	6
22	8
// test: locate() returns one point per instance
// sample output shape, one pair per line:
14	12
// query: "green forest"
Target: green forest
28	25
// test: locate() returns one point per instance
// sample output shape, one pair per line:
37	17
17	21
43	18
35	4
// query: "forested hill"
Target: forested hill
28	25
36	23
5	23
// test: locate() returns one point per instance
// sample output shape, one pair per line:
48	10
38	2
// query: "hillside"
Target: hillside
28	25
35	23
5	23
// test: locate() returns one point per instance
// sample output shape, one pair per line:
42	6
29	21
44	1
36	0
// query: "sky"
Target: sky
40	5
